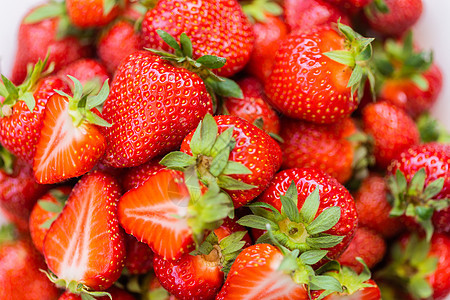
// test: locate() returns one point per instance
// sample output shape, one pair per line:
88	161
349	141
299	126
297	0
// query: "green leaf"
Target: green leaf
262	205
420	287
433	188
325	282
381	6
177	160
231	184
49	222
325	221
365	274
169	40
234	167
420	252
13	91
341	56
417	182
93	118
219	162
401	181
192	182
289	262
51	10
196	139
97	100
186	45
211	61
312	257
208	135
226	88
356	76
326	241
289	208
311	205
230	243
256	222
225	139
78	87
29	100
424	213
108	6
427	225
292	193
50	206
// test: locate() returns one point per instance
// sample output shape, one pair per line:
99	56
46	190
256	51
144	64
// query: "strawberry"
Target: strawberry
117	42
366	244
42	34
315	74
70	142
161	213
228	227
20	277
317	145
420	267
253	107
391	129
139	257
44	212
23	107
85	70
84	247
303	219
352	6
400	16
373	207
306	14
262	271
138	175
116	294
92	13
18	189
230	152
216	27
410	79
420	185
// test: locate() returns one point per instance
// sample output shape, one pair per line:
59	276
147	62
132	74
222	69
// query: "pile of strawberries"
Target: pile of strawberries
217	149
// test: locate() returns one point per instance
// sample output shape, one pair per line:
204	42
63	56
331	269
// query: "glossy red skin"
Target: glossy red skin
89	13
268	35
331	194
253	106
19	133
116	294
392	129
84	69
19	192
405	94
106	254
116	43
230	226
305	84
366	293
139	256
255	149
435	158
352	6
151	116
38	39
366	244
317	145
306	14
39	216
255	261
20	278
402	15
215	27
373	207
138	175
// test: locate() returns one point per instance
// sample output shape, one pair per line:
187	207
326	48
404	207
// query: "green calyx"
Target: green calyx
52	207
292	228
82	103
415	200
210	157
431	130
358	57
76	288
363	158
6	161
257	10
23	92
410	267
183	57
8	233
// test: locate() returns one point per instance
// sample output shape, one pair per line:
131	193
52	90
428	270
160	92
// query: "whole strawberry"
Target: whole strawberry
216	27
316	75
92	13
139	256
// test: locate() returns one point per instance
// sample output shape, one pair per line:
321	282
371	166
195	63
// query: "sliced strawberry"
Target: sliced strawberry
85	245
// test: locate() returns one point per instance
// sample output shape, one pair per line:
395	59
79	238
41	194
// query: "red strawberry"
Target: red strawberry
420	184
216	27
70	142
352	6
139	257
116	43
420	267
39	35
401	16
312	71
116	294
85	244
85	70
92	13
373	207
332	206
317	145
368	290
253	107
44	212
367	245
306	14
138	175
160	212
22	110
392	130
20	278
228	227
229	151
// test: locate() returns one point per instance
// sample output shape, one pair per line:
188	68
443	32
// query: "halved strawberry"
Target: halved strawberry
70	143
84	247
